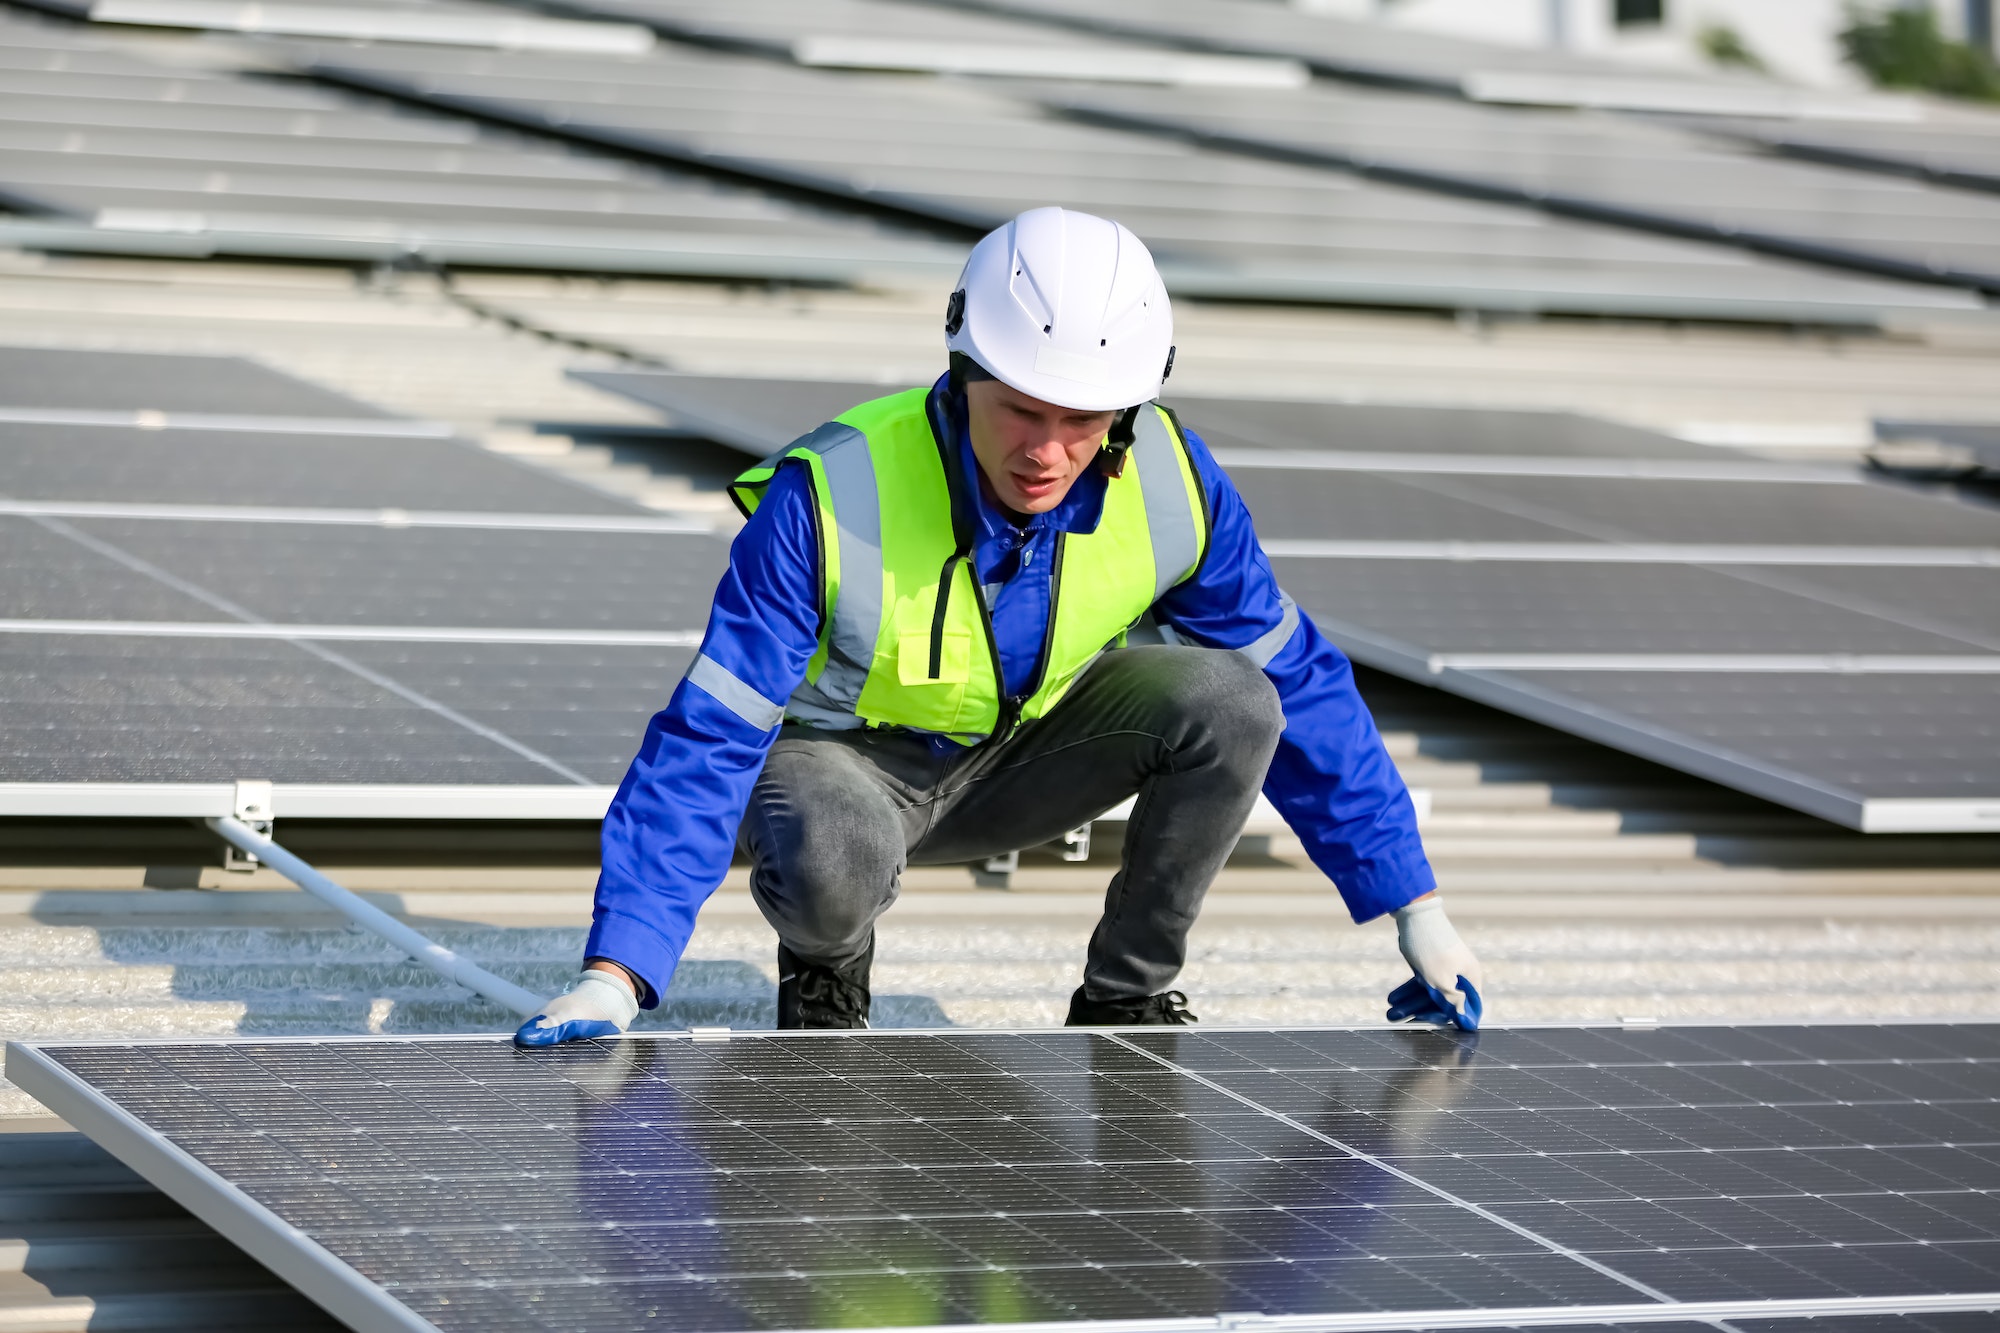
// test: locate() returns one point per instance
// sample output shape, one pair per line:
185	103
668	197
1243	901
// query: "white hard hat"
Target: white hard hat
1067	308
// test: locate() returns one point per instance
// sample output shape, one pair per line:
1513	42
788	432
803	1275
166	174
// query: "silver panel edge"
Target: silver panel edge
267	1238
1515	696
303	800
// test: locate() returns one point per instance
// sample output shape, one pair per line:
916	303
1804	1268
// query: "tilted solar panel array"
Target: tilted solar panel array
382	619
1648	175
1799	632
105	149
968	154
1406	217
1954	146
1320	1179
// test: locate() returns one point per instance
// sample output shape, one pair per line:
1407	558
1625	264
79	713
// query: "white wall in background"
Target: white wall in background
1796	39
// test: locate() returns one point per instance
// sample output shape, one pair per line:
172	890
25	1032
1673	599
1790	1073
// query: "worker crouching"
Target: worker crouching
968	618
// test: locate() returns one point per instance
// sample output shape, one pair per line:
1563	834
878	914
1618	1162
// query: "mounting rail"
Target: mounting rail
245	838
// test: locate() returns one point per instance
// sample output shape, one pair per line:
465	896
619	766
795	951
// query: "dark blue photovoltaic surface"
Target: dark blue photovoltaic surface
1710	1163
875	1179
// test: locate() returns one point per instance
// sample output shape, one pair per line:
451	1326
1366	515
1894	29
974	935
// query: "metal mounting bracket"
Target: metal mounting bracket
253	807
1076	843
996	872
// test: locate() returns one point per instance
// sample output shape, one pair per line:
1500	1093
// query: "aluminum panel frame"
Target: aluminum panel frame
253	1228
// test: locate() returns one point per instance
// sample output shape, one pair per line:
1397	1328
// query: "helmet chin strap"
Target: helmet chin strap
1118	443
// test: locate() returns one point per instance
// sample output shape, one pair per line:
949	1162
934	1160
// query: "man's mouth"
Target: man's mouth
1035	487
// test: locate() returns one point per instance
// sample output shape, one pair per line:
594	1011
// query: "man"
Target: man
907	663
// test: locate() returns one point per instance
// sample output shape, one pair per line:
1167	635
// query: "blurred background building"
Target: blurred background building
1799	40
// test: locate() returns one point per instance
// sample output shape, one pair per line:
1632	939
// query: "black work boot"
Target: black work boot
814	996
1167	1009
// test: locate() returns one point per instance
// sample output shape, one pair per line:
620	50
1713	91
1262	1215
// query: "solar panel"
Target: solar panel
387	626
109	151
1328	1179
41	377
1648	175
968	156
1794	631
1950	147
753	414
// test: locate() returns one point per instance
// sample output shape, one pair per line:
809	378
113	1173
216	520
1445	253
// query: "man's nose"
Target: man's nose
1046	453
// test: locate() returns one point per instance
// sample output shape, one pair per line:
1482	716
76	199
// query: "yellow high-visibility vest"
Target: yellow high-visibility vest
905	639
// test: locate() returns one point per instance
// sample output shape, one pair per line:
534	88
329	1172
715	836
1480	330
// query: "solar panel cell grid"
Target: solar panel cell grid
305	574
815	1181
112	709
1683	1166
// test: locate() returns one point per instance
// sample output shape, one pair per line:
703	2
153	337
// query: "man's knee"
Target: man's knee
828	853
1225	693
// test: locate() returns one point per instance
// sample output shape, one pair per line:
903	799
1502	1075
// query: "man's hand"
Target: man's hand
1445	989
599	1003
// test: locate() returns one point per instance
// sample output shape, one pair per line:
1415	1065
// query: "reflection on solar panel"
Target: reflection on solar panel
1793	631
385	625
109	151
1327	1179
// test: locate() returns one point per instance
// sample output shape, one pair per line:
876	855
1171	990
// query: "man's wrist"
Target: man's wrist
623	974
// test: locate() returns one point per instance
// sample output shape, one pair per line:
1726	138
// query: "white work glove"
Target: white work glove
596	1004
1445	987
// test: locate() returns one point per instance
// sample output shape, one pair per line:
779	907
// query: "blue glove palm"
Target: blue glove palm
1416	1000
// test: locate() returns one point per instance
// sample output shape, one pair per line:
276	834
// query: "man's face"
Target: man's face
1032	452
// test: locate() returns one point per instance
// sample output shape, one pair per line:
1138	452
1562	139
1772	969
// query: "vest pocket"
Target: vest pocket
913	659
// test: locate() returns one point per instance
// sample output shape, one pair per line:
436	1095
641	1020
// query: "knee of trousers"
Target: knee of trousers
1227	694
822	881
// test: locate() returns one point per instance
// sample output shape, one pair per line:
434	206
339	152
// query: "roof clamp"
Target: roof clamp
253	806
1076	843
996	872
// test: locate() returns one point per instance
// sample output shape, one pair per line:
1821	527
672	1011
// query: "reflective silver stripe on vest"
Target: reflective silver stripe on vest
1269	645
857	611
1176	540
725	688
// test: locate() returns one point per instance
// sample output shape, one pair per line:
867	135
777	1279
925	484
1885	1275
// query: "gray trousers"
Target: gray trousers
836	815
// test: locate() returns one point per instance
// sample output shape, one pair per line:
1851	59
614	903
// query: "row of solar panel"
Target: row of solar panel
1719	624
200	605
1363	1179
120	153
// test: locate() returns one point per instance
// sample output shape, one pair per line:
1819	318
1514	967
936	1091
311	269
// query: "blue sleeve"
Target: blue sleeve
1332	779
671	830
